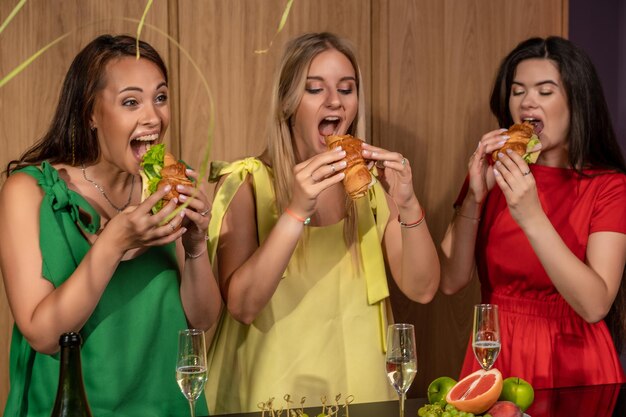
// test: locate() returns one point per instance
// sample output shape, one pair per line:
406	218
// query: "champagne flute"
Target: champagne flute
486	334
191	372
401	359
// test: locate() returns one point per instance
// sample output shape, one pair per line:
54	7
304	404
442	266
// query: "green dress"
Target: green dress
322	332
130	340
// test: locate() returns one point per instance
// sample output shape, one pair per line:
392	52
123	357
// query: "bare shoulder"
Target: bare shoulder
19	189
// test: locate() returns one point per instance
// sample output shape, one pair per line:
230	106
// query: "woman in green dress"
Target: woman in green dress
302	267
82	252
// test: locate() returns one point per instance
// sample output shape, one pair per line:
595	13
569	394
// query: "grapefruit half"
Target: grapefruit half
476	392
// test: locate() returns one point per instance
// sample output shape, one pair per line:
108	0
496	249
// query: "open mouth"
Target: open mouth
329	125
141	144
537	124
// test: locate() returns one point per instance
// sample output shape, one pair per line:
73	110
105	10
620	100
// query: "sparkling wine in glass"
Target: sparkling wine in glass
191	372
401	359
486	334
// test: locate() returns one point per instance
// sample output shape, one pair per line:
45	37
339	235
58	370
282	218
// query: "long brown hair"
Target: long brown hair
69	139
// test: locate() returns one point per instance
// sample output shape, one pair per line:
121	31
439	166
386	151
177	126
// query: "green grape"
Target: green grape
446	414
462	414
487	415
470	414
422	411
454	412
450	407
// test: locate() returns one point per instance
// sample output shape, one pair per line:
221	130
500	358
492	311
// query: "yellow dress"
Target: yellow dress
322	333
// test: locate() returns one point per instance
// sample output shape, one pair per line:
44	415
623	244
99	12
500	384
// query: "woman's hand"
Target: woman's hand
313	176
136	226
517	183
481	179
394	173
197	214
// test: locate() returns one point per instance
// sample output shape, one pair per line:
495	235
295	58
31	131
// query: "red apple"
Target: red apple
504	409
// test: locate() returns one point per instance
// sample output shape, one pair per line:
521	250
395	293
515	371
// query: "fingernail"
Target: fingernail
500	155
504	136
338	148
374	154
496	172
501	143
503	130
342	164
498	163
509	151
168	188
182	197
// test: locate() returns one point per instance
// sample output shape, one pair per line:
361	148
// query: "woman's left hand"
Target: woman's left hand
197	214
394	173
517	183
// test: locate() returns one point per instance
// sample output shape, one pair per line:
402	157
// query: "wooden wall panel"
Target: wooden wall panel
222	36
434	63
427	66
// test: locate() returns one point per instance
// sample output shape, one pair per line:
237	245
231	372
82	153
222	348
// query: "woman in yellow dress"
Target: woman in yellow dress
301	266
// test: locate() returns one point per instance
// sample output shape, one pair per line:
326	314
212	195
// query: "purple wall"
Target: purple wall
599	27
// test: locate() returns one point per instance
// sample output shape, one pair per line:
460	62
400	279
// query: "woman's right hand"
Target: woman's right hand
313	176
481	179
136	226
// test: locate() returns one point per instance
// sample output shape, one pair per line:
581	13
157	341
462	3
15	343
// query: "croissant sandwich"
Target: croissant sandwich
358	177
523	140
158	169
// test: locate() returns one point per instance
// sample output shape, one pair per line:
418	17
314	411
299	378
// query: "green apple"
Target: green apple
438	389
517	391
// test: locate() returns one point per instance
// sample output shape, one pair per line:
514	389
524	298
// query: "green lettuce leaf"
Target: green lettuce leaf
151	166
531	157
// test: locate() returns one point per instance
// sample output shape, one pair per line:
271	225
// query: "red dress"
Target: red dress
544	341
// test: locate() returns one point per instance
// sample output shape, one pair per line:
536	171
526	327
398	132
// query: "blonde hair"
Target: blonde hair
288	89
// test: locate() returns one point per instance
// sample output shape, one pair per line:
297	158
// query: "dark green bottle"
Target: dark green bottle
71	399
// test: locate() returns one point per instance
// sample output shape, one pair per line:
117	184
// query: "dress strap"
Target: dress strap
238	171
64	216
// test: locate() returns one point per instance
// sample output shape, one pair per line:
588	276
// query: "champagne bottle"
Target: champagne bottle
71	400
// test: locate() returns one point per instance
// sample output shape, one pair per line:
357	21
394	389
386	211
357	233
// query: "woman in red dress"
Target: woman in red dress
548	240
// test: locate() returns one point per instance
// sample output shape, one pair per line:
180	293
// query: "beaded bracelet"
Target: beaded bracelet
415	223
298	218
458	213
194	256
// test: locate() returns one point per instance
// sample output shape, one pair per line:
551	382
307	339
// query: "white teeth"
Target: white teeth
331	118
148	138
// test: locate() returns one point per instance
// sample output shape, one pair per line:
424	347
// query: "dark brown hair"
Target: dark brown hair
69	139
592	141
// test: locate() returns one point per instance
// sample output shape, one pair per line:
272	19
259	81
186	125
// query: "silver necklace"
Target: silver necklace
101	189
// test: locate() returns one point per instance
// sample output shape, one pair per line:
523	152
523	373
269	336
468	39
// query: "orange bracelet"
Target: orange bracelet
415	223
298	218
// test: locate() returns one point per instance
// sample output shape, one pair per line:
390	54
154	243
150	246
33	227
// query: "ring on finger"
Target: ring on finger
403	162
379	164
172	226
203	213
332	166
526	173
